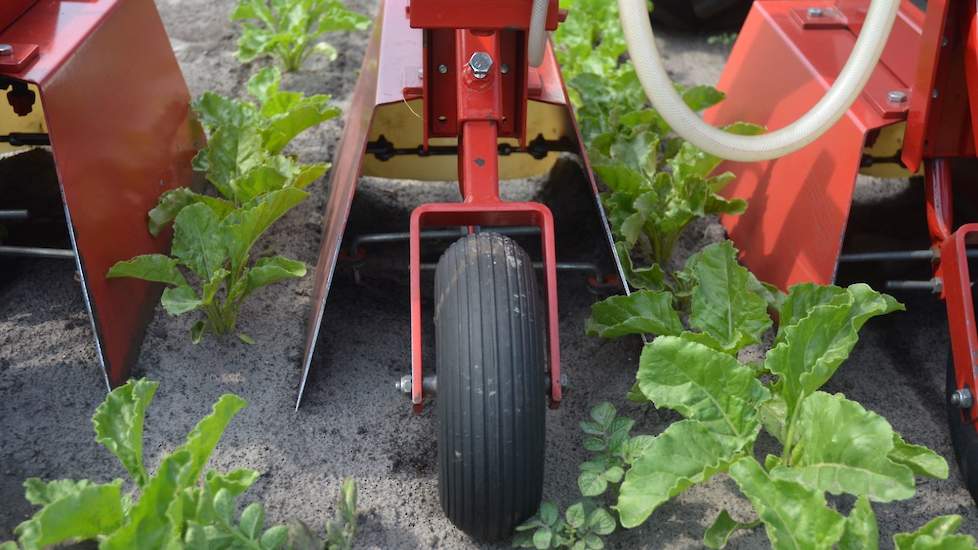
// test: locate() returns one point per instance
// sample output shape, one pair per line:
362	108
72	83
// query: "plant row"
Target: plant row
697	319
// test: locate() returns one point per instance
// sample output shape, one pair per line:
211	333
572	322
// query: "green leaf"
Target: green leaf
216	111
230	153
197	331
180	300
148	525
542	538
704	385
252	520
204	437
862	532
236	482
170	204
576	516
699	98
592	484
920	459
243	228
224	506
804	298
646	278
259	181
152	267
274	537
843	448
939	533
723	527
265	83
72	510
643	312
267	271
794	516
723	306
600	522
811	350
604	414
283	128
686	453
118	423
197	240
548	513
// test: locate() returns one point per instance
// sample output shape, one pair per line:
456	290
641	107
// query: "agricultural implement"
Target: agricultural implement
97	81
915	112
448	92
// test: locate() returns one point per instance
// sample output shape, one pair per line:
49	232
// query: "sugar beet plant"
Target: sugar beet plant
830	445
290	30
175	507
257	184
658	184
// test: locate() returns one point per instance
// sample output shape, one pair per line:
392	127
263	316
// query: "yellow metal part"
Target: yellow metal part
888	144
11	123
402	125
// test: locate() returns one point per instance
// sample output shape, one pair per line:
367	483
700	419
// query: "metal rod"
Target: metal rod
931	286
31	252
898	256
359	241
14	215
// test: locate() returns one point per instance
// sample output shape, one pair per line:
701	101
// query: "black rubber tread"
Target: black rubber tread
491	403
701	15
964	437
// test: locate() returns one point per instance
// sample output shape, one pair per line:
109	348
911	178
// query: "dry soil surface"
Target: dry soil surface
352	423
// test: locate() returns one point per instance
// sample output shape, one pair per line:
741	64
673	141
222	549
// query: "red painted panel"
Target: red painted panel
477	14
10	10
117	110
799	205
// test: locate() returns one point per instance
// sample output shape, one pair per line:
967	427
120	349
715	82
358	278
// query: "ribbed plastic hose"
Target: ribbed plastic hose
537	38
663	96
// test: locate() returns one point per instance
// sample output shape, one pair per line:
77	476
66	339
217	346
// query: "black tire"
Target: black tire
701	15
964	437
491	403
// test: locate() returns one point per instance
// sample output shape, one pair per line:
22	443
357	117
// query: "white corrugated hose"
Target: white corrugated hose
537	39
663	96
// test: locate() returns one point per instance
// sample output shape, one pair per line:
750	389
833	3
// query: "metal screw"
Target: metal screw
443	69
481	64
897	96
504	68
404	384
815	12
962	398
6	49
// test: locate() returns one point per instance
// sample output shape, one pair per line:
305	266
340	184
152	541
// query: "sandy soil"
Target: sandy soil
352	423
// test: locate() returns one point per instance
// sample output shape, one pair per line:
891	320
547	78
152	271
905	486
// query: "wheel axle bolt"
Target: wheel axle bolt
962	398
481	64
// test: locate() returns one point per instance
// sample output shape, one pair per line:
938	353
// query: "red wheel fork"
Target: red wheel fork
480	111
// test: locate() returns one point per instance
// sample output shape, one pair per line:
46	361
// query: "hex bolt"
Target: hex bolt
429	385
481	64
962	398
6	49
897	96
815	12
404	384
443	69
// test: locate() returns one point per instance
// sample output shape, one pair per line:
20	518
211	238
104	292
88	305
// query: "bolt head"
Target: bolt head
481	64
443	69
962	398
897	96
6	49
504	68
405	384
816	12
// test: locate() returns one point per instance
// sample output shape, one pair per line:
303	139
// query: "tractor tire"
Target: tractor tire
700	15
964	436
491	391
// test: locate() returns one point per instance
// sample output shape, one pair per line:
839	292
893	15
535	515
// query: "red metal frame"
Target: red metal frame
478	112
484	106
121	133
